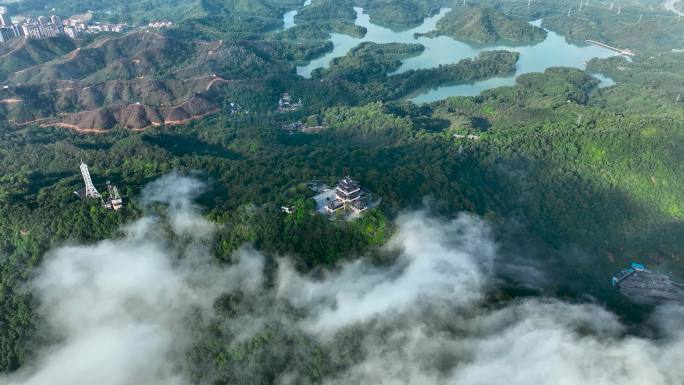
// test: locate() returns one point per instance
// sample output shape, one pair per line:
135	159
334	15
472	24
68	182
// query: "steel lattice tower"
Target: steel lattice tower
90	190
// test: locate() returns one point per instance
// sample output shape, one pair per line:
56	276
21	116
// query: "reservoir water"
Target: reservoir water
555	51
288	18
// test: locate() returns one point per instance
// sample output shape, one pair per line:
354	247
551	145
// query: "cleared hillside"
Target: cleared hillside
133	81
19	54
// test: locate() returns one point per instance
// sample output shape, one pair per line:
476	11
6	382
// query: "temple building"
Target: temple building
348	196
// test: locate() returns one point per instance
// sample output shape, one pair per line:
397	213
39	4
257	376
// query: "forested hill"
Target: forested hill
576	181
485	25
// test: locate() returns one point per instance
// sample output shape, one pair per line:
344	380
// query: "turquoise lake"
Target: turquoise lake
555	51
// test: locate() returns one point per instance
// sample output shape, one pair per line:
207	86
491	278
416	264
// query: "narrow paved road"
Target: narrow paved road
670	6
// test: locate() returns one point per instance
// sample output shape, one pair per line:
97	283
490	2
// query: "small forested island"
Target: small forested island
369	61
323	10
481	24
399	14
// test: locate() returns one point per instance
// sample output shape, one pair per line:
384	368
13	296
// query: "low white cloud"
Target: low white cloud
526	343
117	307
438	261
177	194
117	310
426	321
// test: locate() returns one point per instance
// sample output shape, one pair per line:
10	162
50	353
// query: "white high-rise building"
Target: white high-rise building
6	34
70	31
31	31
5	18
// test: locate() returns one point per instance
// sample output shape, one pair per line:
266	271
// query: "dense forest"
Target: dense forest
484	25
583	179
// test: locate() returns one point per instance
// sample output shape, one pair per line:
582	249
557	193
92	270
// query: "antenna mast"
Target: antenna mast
90	190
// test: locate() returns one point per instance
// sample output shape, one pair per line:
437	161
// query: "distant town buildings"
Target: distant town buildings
29	28
6	34
79	25
74	27
4	17
160	24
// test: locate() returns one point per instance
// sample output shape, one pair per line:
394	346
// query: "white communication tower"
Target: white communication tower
90	190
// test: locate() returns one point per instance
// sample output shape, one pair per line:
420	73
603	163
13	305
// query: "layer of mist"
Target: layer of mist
121	311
